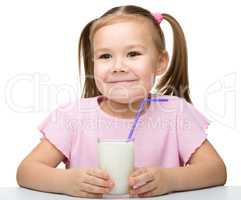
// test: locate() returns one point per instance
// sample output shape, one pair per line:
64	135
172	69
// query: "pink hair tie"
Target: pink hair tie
158	17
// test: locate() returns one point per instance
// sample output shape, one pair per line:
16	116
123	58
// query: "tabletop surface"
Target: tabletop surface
214	193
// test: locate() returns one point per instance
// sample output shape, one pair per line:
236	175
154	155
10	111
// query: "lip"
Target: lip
122	82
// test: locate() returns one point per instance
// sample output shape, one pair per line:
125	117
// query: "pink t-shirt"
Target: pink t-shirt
166	135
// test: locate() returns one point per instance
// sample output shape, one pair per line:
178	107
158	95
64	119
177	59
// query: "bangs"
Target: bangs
112	19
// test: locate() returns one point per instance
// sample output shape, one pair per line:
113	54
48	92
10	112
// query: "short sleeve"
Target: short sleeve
191	125
55	128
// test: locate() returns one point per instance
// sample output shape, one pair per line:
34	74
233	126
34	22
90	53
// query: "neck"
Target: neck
122	110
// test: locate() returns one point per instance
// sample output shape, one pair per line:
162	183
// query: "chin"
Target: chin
119	100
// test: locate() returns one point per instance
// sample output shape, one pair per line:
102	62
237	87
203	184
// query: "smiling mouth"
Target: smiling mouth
130	81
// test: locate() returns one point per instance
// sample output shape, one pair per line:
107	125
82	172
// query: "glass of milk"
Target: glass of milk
116	156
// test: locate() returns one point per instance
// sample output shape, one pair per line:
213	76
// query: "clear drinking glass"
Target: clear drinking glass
116	156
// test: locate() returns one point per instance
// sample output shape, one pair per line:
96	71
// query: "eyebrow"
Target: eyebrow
127	47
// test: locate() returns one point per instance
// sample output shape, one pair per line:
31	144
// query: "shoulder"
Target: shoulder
173	103
77	106
186	111
169	98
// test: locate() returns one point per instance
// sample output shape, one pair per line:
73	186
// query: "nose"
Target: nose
119	66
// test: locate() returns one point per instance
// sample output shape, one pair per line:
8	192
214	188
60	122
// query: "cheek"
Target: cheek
101	70
148	80
99	77
147	76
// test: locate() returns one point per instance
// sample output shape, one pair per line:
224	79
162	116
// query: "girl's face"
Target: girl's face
125	61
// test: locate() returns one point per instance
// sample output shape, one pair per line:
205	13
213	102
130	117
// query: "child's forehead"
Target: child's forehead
123	35
118	22
122	31
125	28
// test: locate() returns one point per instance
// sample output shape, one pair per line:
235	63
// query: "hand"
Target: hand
149	181
88	183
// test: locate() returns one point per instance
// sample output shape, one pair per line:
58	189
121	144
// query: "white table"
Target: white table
215	193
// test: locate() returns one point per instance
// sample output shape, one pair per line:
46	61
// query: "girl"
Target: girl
123	51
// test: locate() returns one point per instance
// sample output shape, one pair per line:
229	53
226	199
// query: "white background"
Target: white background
39	68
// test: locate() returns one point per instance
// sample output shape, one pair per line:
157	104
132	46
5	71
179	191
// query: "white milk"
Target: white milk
116	156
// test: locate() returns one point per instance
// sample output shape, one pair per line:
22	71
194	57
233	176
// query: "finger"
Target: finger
138	172
94	189
135	174
139	184
142	179
98	173
98	181
145	188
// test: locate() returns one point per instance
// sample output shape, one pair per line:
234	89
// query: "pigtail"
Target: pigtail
175	80
89	89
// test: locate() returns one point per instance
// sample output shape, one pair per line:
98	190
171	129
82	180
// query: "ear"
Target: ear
162	63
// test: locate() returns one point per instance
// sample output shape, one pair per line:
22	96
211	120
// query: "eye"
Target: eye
134	53
105	56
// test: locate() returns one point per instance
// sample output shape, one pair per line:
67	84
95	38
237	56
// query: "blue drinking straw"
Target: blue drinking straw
138	114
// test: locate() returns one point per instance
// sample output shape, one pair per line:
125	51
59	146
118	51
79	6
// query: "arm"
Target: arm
37	170
204	169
